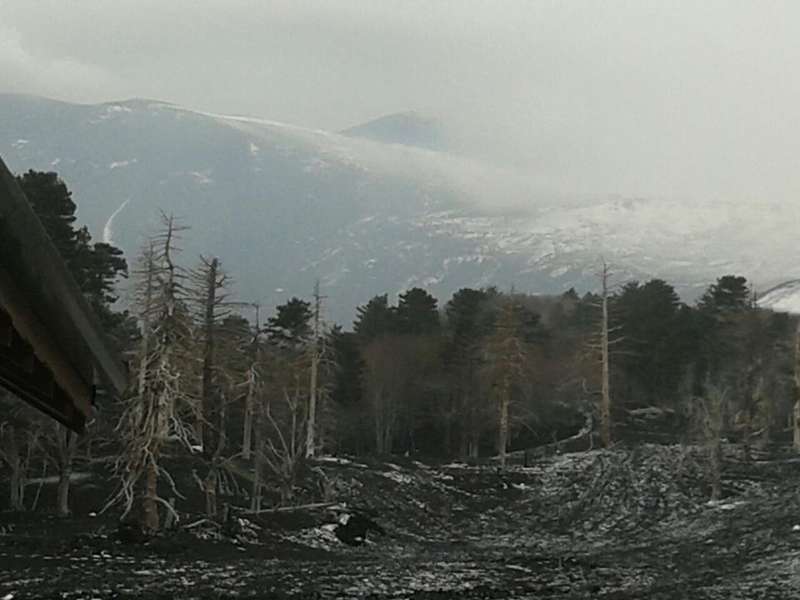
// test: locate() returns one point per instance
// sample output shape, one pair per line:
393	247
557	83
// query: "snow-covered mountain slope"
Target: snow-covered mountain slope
283	205
783	298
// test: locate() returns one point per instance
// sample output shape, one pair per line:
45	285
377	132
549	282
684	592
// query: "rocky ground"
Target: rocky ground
625	523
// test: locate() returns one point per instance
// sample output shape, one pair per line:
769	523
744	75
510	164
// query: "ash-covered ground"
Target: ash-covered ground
624	523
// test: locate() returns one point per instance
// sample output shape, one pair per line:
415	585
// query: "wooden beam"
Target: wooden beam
32	330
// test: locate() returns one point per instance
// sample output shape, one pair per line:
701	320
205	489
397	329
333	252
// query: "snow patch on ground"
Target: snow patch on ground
321	538
400	478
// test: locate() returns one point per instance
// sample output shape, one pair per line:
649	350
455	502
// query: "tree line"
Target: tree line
481	375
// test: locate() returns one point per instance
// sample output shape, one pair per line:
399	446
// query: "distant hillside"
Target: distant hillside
283	205
407	128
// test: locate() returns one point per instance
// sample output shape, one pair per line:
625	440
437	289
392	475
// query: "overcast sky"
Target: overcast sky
698	99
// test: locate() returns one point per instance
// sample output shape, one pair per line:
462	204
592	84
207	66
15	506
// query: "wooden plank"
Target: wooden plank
34	333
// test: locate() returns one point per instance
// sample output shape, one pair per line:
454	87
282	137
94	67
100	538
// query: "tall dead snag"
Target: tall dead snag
259	450
605	401
209	301
712	418
311	426
252	382
602	344
506	357
796	408
156	412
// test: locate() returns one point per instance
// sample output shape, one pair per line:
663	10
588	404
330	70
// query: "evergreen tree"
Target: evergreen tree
291	323
95	267
417	313
657	340
469	320
375	319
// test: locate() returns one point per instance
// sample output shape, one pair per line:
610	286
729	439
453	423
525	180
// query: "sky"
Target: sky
639	98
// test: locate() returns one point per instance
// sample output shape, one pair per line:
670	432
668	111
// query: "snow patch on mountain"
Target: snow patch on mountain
108	228
122	163
783	298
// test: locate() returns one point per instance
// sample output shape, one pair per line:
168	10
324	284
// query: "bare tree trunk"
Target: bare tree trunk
605	402
311	425
13	457
380	417
502	432
151	521
18	481
247	433
796	411
258	464
17	492
211	492
66	450
714	419
208	395
63	491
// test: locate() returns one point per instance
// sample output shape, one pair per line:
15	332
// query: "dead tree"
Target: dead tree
154	414
602	344
19	444
209	301
252	383
311	426
282	421
796	408
506	357
711	413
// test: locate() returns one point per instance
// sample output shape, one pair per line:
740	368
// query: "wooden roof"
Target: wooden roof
52	347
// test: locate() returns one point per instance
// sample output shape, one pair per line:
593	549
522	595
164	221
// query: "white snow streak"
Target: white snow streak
108	232
122	163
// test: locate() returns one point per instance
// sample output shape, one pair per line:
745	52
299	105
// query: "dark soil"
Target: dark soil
603	524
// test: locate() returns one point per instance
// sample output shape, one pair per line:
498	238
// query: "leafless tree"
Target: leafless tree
711	416
156	411
602	343
281	423
208	298
315	351
506	357
20	442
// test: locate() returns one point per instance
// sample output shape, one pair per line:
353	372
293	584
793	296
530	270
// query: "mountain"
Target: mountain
783	298
407	128
283	205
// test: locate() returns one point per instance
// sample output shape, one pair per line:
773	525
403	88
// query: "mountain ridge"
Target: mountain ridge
283	205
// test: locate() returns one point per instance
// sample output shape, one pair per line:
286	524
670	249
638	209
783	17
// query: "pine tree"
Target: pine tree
417	313
375	319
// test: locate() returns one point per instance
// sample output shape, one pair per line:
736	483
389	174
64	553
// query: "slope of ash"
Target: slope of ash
622	523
